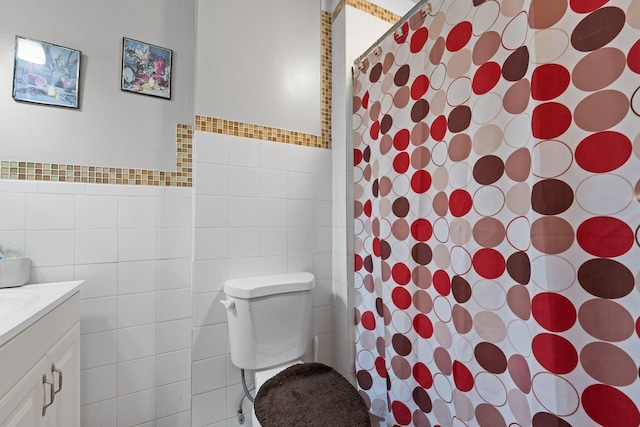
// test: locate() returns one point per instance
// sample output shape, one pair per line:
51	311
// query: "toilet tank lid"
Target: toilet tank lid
259	286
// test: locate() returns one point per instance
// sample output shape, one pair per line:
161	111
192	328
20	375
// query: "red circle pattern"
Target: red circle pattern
479	153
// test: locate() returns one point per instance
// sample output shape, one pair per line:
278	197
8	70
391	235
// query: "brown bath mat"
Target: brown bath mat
310	395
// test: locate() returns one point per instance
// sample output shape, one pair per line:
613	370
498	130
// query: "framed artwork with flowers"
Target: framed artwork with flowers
46	73
146	68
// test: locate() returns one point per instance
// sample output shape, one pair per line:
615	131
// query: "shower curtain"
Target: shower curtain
497	213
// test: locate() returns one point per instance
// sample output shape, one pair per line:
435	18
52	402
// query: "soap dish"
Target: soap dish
14	272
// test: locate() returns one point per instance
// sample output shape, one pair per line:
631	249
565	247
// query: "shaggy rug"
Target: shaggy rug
310	395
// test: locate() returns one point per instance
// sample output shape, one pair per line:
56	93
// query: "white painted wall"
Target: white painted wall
259	62
111	128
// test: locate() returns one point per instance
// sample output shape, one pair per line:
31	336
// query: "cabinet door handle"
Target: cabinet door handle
55	371
51	393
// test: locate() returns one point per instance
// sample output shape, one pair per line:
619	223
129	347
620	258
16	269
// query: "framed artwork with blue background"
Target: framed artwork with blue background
146	69
46	73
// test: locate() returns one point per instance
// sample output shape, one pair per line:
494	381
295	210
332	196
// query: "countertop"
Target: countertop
40	300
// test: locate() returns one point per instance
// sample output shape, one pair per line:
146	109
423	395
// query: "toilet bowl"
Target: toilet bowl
269	322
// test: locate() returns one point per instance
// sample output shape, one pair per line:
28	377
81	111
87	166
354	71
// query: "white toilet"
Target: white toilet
269	320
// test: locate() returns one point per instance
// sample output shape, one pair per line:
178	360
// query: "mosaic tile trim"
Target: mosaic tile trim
34	171
337	10
326	76
374	10
247	130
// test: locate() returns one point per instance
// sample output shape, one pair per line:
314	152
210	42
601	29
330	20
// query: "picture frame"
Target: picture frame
146	68
46	73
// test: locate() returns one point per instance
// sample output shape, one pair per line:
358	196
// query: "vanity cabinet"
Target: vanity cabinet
40	371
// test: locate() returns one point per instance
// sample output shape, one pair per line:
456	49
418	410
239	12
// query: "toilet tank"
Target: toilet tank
269	318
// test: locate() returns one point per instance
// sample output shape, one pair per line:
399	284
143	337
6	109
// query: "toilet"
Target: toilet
269	321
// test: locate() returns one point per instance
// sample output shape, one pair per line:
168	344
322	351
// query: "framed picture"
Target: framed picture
46	73
146	68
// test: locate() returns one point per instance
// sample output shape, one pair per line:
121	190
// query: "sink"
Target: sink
13	300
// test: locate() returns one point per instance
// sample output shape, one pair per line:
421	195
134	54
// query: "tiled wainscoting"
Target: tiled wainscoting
132	246
261	207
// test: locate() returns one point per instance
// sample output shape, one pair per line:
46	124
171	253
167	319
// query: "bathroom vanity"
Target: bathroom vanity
40	355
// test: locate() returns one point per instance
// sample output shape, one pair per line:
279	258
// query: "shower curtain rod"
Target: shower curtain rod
402	20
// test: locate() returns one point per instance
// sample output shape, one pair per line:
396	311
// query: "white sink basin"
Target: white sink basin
14	300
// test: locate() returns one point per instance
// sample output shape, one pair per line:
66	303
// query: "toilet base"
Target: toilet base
261	376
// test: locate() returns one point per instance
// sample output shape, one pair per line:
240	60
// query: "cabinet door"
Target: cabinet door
22	406
64	367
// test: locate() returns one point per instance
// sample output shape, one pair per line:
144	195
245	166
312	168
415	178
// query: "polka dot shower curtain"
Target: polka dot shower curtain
497	168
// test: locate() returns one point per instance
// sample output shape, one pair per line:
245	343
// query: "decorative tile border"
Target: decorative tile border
326	77
247	130
337	10
33	171
371	9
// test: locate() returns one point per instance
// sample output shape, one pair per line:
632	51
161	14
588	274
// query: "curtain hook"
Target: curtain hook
427	9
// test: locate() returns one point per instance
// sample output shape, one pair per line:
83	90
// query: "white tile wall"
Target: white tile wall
216	176
14	218
136	408
137	212
244	181
98	314
174	304
174	243
101	414
209	374
136	309
98	349
244	267
48	248
174	273
136	342
132	246
137	244
211	243
138	276
50	212
174	335
244	212
173	367
183	419
174	399
211	211
277	220
96	246
210	341
136	375
105	376
273	183
209	275
209	408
